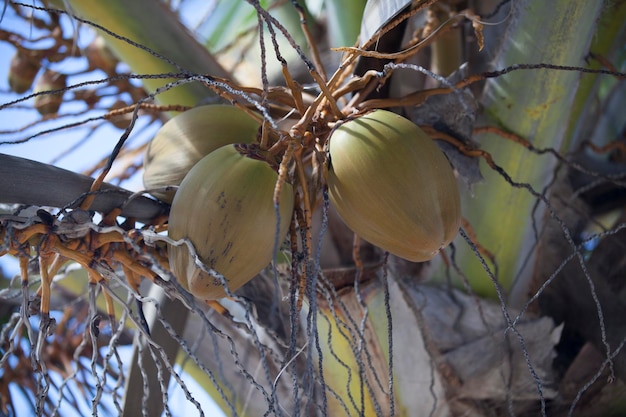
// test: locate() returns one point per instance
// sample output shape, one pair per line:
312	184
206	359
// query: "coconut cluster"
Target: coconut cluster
387	179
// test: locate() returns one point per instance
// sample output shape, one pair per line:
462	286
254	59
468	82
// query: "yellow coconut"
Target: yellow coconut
393	186
225	207
188	137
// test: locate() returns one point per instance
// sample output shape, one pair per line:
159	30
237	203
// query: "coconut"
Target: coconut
225	207
188	137
392	185
48	103
22	71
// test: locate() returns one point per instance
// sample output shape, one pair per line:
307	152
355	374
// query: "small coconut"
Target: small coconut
100	56
22	71
48	103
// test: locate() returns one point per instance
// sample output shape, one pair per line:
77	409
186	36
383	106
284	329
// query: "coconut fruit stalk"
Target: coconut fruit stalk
392	185
188	137
225	207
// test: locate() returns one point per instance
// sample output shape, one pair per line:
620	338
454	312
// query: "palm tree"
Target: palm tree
519	315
